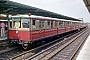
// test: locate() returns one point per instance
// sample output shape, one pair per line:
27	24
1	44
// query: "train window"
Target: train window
16	24
48	24
63	23
55	23
41	24
25	23
51	24
33	23
67	24
70	23
60	24
73	23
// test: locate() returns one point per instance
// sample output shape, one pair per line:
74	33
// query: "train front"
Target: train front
19	30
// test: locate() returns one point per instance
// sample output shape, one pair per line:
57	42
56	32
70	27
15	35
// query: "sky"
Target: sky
71	8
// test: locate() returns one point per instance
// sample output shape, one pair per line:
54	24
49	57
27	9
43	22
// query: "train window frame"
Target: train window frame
20	28
34	24
67	23
26	24
56	24
63	24
48	24
60	24
13	23
52	22
41	24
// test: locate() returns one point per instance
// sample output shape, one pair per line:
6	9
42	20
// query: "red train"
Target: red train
35	29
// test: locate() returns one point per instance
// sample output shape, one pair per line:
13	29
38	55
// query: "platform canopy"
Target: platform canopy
3	17
87	3
10	7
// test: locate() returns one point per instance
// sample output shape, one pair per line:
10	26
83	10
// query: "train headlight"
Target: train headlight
16	31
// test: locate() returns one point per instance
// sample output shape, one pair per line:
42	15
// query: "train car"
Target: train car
32	30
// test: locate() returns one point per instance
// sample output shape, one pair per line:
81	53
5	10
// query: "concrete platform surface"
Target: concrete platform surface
3	38
85	51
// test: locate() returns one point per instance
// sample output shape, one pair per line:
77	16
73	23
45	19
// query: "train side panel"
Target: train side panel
21	35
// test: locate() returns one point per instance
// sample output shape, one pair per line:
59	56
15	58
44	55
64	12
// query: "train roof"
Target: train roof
41	17
10	7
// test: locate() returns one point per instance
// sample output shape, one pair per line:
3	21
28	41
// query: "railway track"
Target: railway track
3	44
26	54
69	52
7	53
19	54
53	50
6	50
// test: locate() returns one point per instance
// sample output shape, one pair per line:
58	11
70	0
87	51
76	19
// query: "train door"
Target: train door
51	24
41	26
25	25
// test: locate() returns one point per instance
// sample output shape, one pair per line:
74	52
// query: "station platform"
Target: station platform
3	38
85	51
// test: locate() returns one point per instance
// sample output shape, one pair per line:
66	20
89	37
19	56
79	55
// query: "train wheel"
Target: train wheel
26	46
78	29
